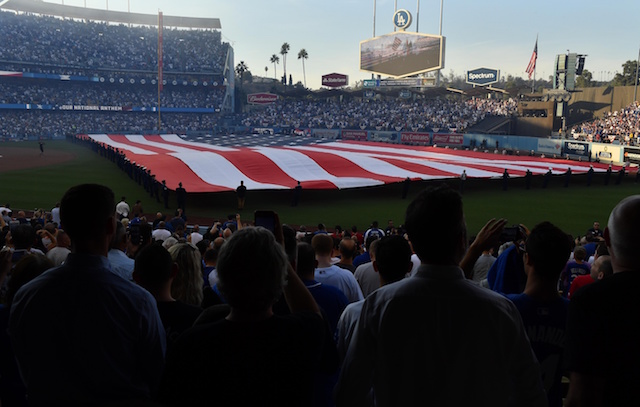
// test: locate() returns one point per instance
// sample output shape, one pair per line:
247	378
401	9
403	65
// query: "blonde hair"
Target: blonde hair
188	283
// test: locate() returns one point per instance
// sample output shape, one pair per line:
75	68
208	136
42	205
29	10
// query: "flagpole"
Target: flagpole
160	67
533	85
635	85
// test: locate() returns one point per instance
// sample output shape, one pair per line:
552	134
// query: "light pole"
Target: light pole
440	33
635	87
374	18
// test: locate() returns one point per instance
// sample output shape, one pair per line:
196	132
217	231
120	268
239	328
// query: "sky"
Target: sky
498	34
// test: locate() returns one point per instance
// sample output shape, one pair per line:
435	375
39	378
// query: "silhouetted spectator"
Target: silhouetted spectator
79	305
260	348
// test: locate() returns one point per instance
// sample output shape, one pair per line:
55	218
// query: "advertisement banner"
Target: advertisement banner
549	146
335	80
301	132
606	153
447	138
483	76
357	135
384	136
261	98
632	155
263	130
576	148
325	133
415	138
91	108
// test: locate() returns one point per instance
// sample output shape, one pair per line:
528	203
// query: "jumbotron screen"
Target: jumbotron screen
402	54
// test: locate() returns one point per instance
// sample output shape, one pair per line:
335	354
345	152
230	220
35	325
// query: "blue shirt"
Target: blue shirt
361	259
330	299
545	323
506	275
121	264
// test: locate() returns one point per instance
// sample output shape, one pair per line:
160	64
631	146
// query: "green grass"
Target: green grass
573	209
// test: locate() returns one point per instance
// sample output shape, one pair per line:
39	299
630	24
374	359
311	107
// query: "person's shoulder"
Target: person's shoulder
298	322
37	285
354	308
351	312
618	284
178	307
348	267
515	298
363	268
582	280
201	335
342	272
333	292
398	289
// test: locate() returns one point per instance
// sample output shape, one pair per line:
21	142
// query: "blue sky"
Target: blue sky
497	34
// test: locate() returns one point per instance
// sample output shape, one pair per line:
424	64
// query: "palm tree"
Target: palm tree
303	55
284	50
241	68
275	60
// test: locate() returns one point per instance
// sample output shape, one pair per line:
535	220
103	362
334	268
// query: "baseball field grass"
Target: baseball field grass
29	180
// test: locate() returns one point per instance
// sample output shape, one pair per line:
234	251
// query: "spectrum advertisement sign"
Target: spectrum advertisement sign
576	148
483	76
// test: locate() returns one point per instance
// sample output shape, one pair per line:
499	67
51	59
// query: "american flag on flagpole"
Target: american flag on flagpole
532	62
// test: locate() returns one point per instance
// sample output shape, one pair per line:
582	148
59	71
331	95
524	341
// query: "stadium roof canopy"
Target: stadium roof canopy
51	9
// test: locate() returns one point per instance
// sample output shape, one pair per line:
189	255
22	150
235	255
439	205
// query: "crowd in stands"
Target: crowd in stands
423	115
56	93
181	310
54	45
419	115
36	124
622	126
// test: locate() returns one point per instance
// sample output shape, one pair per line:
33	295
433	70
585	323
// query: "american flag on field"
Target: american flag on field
203	167
532	62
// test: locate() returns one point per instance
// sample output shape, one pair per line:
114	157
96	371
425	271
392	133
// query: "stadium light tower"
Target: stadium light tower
635	84
374	17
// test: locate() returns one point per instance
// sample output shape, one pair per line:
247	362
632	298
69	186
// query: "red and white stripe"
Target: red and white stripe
203	167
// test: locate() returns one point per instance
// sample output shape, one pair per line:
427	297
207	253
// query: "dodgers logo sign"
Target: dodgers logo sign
402	19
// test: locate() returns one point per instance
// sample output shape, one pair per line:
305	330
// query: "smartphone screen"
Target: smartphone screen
266	219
